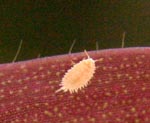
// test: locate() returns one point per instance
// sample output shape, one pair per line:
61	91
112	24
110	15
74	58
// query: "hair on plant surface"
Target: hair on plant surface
118	92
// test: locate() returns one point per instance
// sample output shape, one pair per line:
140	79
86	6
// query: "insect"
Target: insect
78	76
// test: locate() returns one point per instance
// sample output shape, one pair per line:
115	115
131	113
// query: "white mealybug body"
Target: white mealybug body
78	76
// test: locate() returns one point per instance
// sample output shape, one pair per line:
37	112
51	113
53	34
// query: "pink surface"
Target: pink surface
119	92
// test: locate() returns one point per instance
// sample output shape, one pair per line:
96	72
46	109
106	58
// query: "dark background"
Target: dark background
49	27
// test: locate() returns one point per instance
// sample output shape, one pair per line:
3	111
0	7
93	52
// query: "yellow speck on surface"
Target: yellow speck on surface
1	90
48	113
46	104
110	113
110	58
144	112
18	109
127	115
125	91
3	83
143	88
121	66
22	66
137	120
20	81
105	105
35	77
17	120
41	68
25	70
133	109
104	68
37	104
118	119
1	74
11	92
57	73
125	59
103	115
53	66
25	87
55	109
60	115
75	120
20	91
108	94
25	120
92	120
2	96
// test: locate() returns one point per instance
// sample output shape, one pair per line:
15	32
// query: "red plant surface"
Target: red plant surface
119	92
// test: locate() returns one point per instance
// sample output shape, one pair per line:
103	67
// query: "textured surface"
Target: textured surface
119	92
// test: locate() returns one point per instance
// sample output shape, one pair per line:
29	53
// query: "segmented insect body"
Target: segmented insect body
78	76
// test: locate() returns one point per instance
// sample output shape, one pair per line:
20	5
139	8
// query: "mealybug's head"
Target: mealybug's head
89	62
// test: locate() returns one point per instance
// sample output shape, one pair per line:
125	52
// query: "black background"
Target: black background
49	27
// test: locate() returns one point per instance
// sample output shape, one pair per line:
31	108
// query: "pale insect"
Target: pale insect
78	76
81	73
